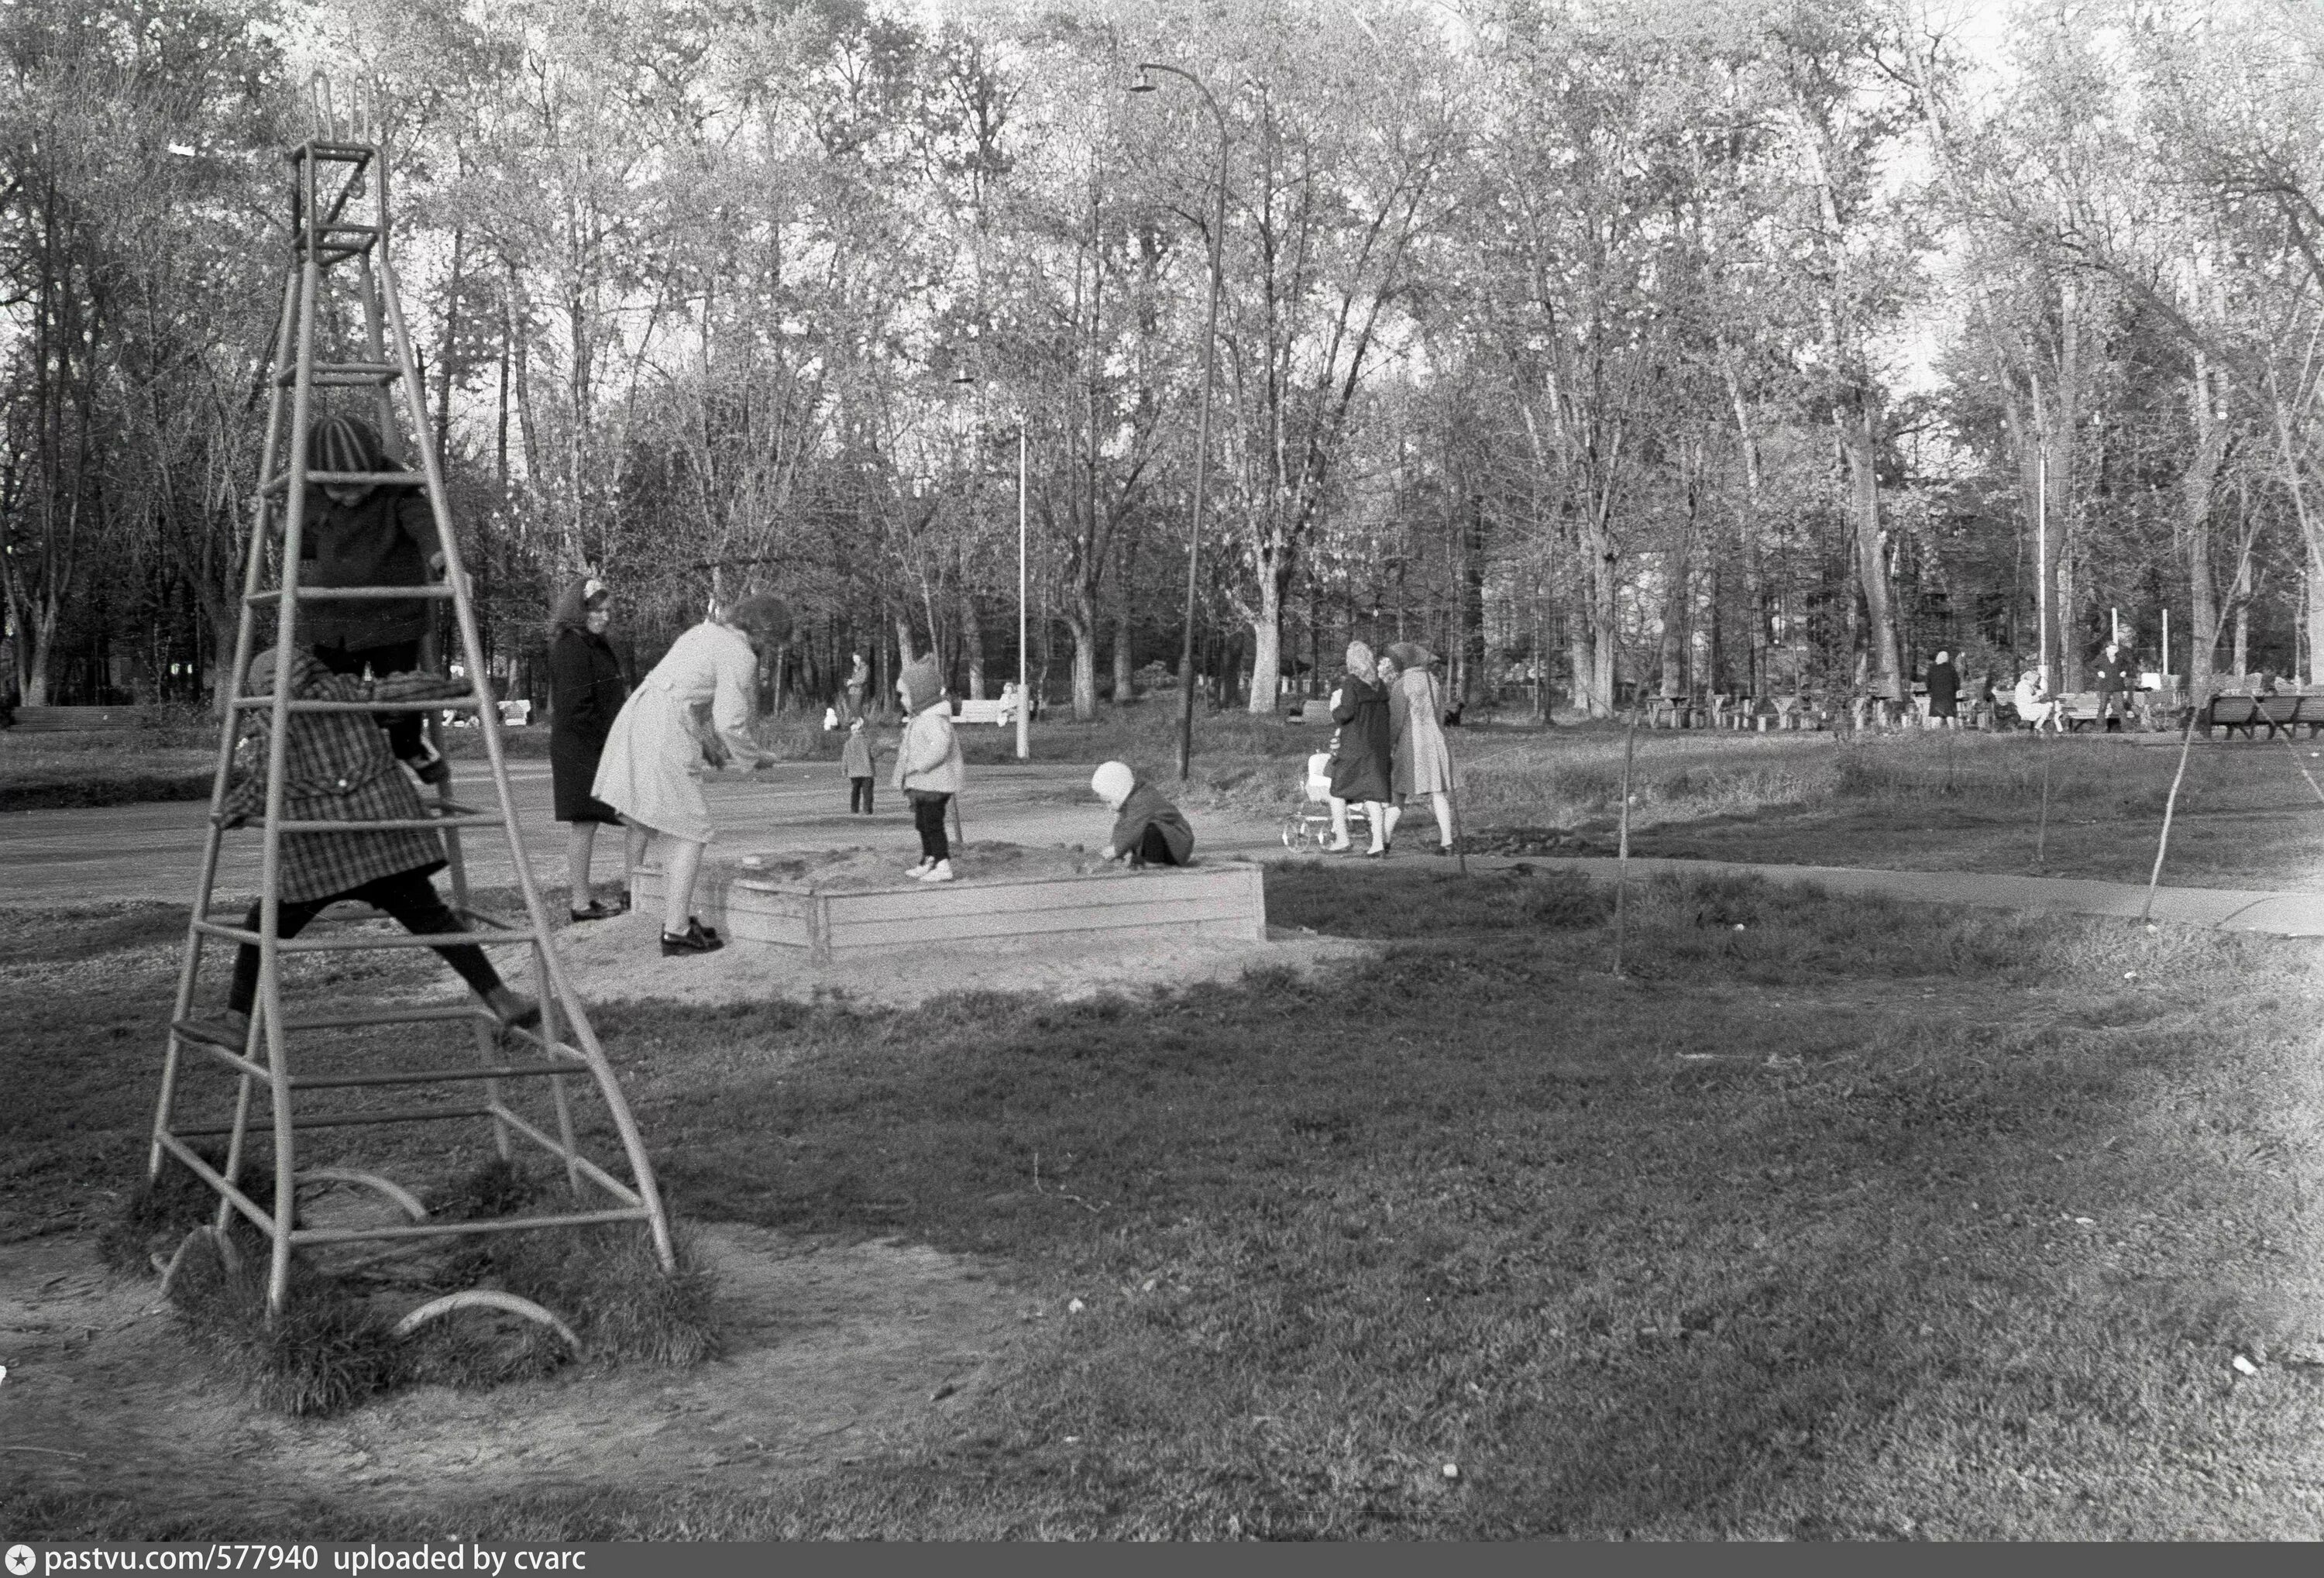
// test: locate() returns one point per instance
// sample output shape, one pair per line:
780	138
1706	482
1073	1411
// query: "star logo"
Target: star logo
20	1560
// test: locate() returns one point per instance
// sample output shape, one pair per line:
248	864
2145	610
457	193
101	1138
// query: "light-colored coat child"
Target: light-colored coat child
928	767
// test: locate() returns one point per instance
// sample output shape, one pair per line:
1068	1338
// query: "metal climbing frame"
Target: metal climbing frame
334	182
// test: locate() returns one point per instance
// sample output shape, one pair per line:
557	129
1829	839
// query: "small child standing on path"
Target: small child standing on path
928	765
1147	829
856	761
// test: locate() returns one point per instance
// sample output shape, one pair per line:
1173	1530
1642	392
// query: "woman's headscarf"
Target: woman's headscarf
1362	663
575	603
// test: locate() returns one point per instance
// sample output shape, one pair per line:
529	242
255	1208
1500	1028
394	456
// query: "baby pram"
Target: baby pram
1310	825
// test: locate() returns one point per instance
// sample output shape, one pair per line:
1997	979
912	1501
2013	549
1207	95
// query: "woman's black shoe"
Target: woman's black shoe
597	911
693	939
693	923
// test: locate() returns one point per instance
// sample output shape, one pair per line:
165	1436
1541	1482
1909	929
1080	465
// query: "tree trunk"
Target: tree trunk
1125	655
1884	676
1081	624
2196	486
1267	642
971	637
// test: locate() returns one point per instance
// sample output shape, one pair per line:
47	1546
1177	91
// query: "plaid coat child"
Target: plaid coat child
339	768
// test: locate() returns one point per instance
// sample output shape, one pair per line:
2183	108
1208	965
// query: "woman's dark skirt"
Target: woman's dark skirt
573	770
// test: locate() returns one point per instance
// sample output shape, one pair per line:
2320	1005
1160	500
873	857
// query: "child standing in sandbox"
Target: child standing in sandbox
928	767
855	763
1148	830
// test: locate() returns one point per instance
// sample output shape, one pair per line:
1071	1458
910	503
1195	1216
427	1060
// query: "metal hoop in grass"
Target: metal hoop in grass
229	1256
485	1298
396	1193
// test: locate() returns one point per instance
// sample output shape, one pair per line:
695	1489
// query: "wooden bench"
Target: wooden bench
992	710
69	720
2279	714
2078	707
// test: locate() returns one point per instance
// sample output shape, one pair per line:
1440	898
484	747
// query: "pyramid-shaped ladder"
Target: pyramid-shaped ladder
335	180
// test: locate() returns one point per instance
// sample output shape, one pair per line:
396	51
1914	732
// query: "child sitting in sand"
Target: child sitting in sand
1146	828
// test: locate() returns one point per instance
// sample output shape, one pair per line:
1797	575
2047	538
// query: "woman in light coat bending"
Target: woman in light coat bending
651	768
1423	763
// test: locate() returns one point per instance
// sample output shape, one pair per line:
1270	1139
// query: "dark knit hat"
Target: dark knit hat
923	686
342	444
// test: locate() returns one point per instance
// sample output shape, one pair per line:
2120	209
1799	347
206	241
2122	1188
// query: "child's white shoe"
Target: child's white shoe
920	870
939	872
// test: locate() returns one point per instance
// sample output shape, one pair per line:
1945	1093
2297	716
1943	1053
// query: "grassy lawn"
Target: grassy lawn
1916	802
1836	1219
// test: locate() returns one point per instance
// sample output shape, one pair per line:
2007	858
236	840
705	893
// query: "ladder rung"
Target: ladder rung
442	589
358	370
445	703
391	1016
405	824
343	945
281	480
216	1049
351	1235
432	1075
330	153
350	1119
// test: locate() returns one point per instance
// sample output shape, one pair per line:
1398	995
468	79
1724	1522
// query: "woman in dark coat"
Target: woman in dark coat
586	687
1361	766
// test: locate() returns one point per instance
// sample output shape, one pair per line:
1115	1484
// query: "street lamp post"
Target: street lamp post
1203	426
1024	696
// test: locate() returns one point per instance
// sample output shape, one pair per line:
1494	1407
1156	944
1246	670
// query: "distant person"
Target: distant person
586	690
2114	682
2032	698
856	762
859	677
369	534
1361	765
1944	693
1148	829
928	768
654	756
339	767
1420	762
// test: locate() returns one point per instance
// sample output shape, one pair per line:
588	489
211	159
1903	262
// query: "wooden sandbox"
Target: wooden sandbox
771	901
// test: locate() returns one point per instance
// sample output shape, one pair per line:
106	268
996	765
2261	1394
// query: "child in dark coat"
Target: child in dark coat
856	761
1147	829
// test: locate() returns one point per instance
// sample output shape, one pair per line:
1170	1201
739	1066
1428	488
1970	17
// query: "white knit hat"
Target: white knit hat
1114	782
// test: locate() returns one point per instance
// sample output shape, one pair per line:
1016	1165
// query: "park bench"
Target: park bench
990	710
67	720
2078	707
2279	714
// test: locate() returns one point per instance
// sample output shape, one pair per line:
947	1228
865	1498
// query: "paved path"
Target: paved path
154	851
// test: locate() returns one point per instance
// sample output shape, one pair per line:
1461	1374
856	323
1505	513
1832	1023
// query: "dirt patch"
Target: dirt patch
832	1351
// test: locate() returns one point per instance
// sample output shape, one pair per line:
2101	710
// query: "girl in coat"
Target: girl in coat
928	767
587	688
339	767
651	768
1421	764
1360	771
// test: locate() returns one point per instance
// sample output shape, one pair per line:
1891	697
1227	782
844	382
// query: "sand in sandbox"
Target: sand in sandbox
863	867
619	959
